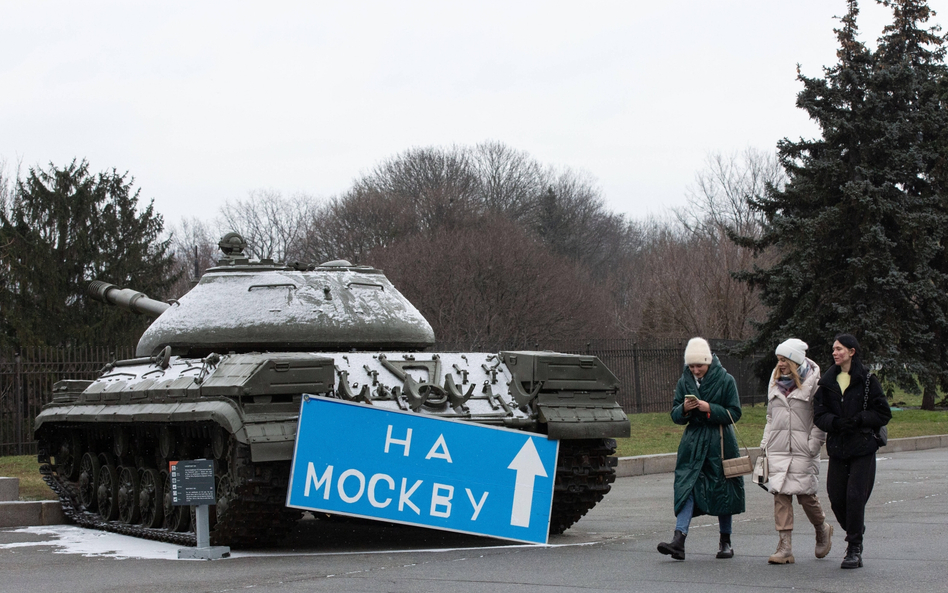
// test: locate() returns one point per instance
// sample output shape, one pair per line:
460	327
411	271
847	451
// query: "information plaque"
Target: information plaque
192	482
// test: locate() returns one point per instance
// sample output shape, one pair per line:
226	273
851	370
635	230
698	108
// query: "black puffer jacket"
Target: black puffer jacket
829	404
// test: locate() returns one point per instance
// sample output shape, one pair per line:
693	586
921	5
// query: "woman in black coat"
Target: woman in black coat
849	405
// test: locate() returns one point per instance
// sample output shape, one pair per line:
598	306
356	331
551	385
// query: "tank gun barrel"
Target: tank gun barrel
126	298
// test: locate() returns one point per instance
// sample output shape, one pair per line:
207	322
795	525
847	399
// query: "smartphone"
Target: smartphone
690	396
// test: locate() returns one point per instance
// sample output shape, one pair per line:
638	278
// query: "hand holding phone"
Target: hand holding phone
691	402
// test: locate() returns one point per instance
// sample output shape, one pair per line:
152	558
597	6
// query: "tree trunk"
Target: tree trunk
928	396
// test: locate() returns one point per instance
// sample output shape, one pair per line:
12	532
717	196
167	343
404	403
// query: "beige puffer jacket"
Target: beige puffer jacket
791	439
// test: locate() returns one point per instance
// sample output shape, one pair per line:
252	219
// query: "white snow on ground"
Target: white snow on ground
68	539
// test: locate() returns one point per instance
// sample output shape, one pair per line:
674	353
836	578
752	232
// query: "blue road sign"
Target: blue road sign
354	459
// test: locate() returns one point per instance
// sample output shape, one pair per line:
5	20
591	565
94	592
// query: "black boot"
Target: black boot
676	549
853	557
724	546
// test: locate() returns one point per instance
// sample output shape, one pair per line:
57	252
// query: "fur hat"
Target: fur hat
698	351
793	349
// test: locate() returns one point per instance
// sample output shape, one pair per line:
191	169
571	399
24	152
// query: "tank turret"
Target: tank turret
244	305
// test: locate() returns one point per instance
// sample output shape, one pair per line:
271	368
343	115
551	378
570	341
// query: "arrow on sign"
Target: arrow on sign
528	466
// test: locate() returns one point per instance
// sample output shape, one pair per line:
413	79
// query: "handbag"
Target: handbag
881	434
761	471
738	466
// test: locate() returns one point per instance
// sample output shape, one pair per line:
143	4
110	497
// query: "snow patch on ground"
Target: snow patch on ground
69	539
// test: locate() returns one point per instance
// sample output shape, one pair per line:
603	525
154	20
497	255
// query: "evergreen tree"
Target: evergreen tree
62	229
861	226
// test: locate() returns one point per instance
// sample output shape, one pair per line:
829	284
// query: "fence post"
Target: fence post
18	381
636	381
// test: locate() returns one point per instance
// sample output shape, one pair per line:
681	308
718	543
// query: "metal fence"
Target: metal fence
26	384
647	372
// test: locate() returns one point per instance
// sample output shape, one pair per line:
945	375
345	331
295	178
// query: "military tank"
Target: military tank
220	374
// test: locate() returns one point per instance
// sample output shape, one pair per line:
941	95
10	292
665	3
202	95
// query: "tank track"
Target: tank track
585	471
253	513
73	512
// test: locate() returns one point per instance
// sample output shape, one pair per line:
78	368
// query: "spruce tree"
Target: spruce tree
63	228
861	225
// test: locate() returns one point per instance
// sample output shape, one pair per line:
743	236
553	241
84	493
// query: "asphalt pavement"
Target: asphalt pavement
611	549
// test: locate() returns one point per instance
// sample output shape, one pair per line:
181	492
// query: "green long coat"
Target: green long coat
698	469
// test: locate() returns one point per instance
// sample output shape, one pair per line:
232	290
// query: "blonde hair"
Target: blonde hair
793	373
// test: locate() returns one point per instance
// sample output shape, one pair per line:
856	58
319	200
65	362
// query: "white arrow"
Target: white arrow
528	466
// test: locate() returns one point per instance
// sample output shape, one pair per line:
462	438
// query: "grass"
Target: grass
25	467
656	433
651	434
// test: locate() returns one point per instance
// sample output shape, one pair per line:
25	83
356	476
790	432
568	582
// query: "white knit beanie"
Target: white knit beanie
698	351
793	349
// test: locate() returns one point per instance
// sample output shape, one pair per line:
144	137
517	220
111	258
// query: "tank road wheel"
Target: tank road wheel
150	504
89	481
166	442
128	491
176	518
120	442
67	460
107	492
225	493
167	510
219	438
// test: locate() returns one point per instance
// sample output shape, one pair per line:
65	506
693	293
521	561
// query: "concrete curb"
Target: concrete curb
9	489
22	513
643	465
16	513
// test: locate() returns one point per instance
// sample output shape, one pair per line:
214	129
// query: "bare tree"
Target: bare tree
691	260
629	282
495	285
194	245
438	186
510	181
724	189
572	218
273	226
424	190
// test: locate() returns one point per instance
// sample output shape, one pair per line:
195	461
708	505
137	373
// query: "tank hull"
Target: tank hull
105	445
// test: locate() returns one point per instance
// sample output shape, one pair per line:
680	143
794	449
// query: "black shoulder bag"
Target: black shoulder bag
881	434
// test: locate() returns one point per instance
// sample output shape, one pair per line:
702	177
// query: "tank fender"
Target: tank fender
584	421
271	441
222	411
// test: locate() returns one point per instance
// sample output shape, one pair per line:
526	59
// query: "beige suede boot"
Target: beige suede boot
784	554
824	543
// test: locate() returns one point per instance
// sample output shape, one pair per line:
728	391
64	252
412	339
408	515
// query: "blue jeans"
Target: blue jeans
688	511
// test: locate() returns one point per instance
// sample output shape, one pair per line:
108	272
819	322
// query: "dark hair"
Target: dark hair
849	341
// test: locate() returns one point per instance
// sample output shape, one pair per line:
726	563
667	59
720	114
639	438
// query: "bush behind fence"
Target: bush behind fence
647	371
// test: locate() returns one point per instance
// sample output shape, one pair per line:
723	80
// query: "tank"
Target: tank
220	374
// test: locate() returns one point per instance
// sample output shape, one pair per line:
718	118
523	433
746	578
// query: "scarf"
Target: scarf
786	384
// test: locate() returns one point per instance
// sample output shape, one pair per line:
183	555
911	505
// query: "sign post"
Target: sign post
192	484
404	467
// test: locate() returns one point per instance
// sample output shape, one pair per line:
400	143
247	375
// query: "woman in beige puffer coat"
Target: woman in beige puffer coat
792	444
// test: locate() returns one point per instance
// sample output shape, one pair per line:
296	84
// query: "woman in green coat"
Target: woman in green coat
700	485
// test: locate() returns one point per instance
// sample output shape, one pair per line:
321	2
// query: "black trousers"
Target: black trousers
849	484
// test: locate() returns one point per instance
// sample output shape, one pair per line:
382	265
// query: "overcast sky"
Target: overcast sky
203	102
